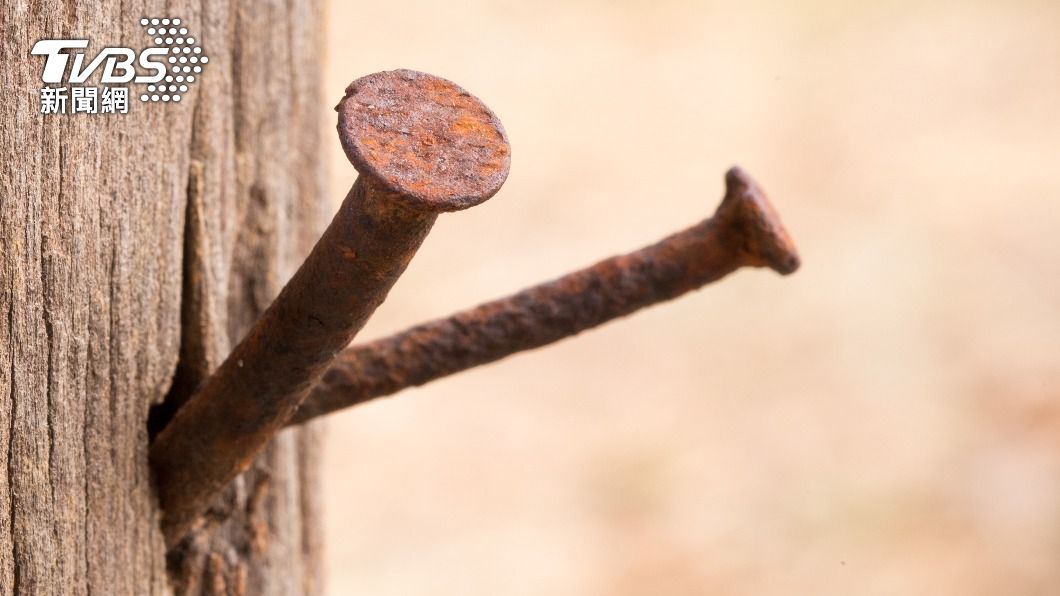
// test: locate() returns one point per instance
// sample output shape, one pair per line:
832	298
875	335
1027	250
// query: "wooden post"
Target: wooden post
135	250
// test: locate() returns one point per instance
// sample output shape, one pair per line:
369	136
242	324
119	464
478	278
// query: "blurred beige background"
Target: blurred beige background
886	421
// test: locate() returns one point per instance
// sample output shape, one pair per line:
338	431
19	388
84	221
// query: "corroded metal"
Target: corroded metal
745	231
422	145
433	143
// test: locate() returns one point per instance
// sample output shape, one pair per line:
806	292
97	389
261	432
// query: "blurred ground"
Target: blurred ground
886	421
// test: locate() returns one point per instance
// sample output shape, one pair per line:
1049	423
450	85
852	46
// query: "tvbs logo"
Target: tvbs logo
165	70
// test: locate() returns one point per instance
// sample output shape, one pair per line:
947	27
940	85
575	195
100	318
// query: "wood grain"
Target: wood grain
131	247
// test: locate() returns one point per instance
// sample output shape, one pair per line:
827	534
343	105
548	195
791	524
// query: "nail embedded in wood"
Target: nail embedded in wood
745	231
422	146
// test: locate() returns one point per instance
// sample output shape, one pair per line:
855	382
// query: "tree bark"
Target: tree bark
135	250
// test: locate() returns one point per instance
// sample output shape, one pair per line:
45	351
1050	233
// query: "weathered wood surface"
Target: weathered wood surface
132	246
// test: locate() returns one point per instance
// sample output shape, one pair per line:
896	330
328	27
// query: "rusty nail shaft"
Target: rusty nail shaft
422	145
744	232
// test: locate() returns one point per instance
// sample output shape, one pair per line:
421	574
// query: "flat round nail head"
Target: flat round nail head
425	138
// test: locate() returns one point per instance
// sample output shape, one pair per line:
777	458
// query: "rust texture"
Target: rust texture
434	144
745	231
422	145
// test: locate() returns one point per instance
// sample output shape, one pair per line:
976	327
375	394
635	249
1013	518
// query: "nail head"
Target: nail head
765	236
425	138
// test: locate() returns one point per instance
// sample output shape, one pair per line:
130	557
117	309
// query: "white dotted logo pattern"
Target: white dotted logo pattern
184	61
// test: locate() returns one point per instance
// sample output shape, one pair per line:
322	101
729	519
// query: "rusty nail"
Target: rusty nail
745	231
422	145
